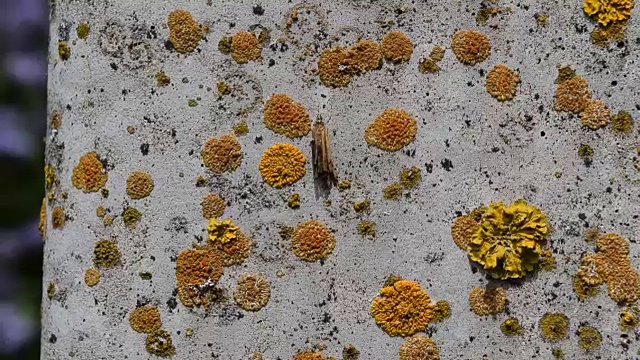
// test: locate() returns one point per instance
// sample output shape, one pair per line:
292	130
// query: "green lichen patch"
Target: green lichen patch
241	128
410	178
106	254
82	30
557	353
511	327
131	217
393	192
159	343
554	326
350	353
564	73
441	311
622	123
51	290
224	45
428	65
363	206
64	51
392	279
590	337
367	228
294	201
192	102
585	151
162	79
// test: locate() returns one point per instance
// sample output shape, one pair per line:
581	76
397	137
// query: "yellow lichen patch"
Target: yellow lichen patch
101	211
252	292
428	65
462	230
397	47
42	223
294	201
332	72
222	154
489	301
629	318
83	30
502	82
437	53
106	254
241	128
131	217
222	231
572	95
57	218
51	290
410	178
393	191
441	311
622	123
309	355
233	252
419	347
56	120
344	185
470	47
107	220
281	165
367	228
509	239
365	55
197	271
139	185
91	277
89	175
363	206
554	326
601	35
162	79
49	176
312	241
595	115
392	130
145	319
284	116
402	309
159	343
212	206
607	11
590	337
184	31
245	47
64	51
511	327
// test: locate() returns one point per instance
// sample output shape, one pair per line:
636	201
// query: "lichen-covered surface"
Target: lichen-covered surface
471	151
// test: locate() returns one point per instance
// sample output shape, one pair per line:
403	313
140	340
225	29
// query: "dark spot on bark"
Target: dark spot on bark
144	148
258	10
53	339
447	164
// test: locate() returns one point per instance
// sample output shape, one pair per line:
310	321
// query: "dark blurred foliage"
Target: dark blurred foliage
23	80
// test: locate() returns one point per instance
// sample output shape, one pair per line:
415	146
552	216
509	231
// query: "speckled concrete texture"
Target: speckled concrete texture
471	150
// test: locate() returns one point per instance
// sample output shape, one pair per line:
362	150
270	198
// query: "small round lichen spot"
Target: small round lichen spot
245	47
139	185
608	11
184	31
590	337
64	51
572	95
91	277
622	123
332	72
284	116
595	115
489	301
419	347
397	47
212	206
294	201
106	254
145	319
162	79
441	311
511	327
240	129
344	185
402	309
57	218
131	217
159	343
629	318
462	230
470	47
366	228
554	326
392	130
281	165
89	175
252	292
350	352
410	178
82	30
365	55
309	355
502	82
222	154
393	192
312	241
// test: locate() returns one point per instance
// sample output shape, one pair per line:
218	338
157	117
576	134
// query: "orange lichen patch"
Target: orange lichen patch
595	115
222	154
312	241
245	47
42	223
145	319
502	82
139	185
184	31
397	47
282	164
91	277
365	55
419	347
309	355
197	271
284	116
106	254
391	130
233	252
612	262
89	175
462	230
332	72
470	47
57	218
608	11
252	292
572	95
212	206
489	301
402	309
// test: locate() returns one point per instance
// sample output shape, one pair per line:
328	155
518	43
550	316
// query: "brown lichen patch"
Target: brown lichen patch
224	45
294	201
131	217
462	230
590	337
595	115
402	309
547	261
564	73
437	53
222	154
252	292
309	355
572	95
57	218
392	130
393	191
281	165
201	181
428	65
64	51
367	228
56	120
106	254
51	290
89	175
49	176
139	185
101	211
410	178
42	223
233	252
245	47
212	206
83	30
350	352
159	343
184	31
241	128
284	116
397	47
91	277
489	301
162	79
365	55
145	319
622	123
419	347
511	327
312	241
332	72
554	326
470	47
602	35
502	82
591	235
197	271
363	206
344	185
441	311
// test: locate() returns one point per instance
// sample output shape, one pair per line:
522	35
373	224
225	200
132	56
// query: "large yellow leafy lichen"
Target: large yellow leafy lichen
607	11
222	230
403	308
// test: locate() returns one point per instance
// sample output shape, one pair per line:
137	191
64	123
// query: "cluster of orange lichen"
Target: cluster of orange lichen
145	319
462	230
197	271
489	301
57	218
222	154
91	277
595	115
397	47
331	69
284	116
282	164
312	241
429	64
184	31
309	355
419	347
252	292
391	130
212	206
608	11
402	308
572	94
502	82
365	55
89	175
245	47
470	47
139	185
233	252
